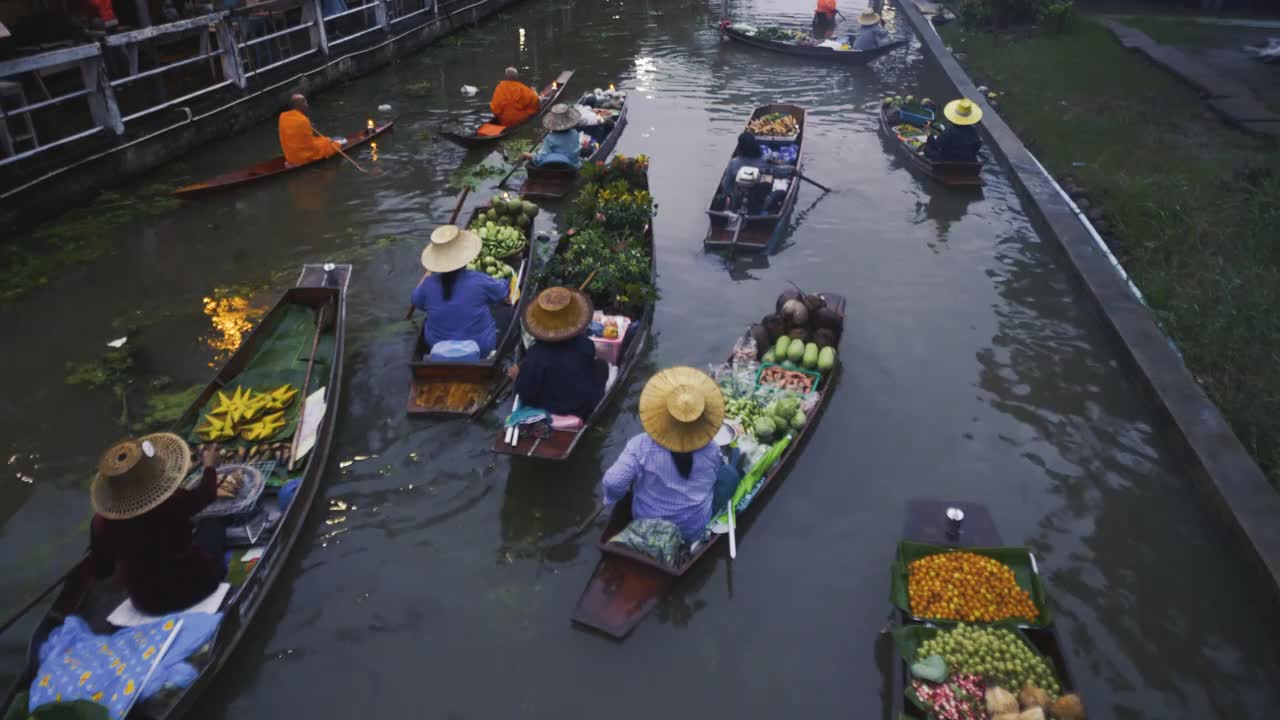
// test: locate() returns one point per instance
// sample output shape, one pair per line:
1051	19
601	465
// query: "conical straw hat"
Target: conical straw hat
450	248
868	18
681	408
557	314
135	476
561	117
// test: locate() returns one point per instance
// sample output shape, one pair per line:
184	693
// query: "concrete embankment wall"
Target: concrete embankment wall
32	194
1216	459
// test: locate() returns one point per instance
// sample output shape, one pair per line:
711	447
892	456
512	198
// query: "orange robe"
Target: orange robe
827	7
513	103
299	143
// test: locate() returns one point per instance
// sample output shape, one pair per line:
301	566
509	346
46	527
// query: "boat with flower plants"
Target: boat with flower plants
555	182
800	44
971	632
608	253
776	383
297	349
907	125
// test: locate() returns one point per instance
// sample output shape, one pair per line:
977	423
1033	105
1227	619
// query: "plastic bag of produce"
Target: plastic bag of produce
744	375
808	402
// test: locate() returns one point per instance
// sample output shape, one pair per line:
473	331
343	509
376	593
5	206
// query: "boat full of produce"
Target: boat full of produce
797	43
908	122
972	638
443	386
768	422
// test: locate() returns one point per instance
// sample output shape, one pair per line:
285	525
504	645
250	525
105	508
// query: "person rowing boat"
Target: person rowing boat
824	19
959	142
513	102
299	141
460	304
560	374
871	33
674	470
142	527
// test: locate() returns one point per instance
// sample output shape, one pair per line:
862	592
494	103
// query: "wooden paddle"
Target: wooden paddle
340	152
324	318
502	184
43	594
453	219
819	185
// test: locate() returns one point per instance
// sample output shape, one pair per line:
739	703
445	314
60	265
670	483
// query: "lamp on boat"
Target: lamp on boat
955	517
329	279
610	87
369	124
554	85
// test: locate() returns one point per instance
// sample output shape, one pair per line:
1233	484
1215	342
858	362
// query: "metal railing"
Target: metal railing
236	46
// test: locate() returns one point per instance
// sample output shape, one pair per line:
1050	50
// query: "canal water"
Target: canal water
438	581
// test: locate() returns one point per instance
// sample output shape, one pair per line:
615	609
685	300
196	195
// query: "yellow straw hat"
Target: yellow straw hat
681	408
962	112
868	17
558	313
450	248
135	476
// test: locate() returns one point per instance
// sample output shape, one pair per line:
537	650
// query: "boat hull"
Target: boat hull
549	95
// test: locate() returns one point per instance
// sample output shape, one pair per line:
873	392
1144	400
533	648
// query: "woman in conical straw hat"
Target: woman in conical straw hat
456	298
959	142
672	468
563	144
142	527
560	373
871	33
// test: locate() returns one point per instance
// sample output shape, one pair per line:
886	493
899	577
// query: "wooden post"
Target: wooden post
312	13
102	99
232	68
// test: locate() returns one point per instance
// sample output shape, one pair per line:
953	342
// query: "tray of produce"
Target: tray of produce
974	672
239	487
788	377
774	127
503	225
987	585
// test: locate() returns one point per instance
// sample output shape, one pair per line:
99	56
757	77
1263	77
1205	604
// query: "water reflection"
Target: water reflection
232	317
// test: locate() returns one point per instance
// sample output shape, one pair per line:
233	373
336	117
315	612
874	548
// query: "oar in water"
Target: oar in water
453	219
502	184
815	183
340	152
43	594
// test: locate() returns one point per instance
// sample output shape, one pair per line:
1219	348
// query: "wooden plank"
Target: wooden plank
155	31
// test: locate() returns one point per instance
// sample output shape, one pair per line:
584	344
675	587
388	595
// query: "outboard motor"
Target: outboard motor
743	184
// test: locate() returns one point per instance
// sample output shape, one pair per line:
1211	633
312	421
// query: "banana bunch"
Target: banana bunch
251	415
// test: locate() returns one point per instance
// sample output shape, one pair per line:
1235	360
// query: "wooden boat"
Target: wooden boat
825	54
319	287
468	388
547	98
926	522
556	182
560	444
626	586
951	174
274	166
759	233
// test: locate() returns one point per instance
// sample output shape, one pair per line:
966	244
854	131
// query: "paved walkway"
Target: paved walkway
1228	97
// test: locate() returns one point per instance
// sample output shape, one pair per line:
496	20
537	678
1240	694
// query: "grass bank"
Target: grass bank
1191	208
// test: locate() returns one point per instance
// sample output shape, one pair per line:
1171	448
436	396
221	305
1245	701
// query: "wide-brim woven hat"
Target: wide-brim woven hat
558	313
450	248
962	111
135	476
681	408
561	117
868	18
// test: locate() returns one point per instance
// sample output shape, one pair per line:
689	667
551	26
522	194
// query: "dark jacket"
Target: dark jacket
563	378
154	555
958	143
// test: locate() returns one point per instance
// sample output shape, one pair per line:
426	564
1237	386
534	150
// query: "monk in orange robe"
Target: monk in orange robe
824	18
298	140
513	101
